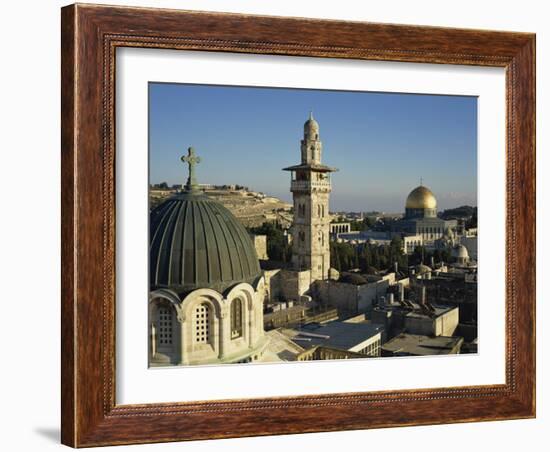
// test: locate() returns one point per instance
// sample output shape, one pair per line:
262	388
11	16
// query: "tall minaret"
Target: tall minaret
310	187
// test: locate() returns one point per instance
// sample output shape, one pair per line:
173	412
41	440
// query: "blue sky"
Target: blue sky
382	143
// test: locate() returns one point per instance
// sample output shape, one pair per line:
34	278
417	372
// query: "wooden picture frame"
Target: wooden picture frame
90	36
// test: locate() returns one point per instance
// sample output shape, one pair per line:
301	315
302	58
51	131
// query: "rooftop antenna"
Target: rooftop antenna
421	180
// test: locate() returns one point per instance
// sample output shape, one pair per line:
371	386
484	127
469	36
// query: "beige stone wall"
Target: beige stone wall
349	297
443	325
310	232
282	284
337	295
213	324
260	245
424	326
294	284
272	285
447	324
368	294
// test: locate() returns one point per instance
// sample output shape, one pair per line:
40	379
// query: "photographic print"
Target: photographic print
271	208
292	225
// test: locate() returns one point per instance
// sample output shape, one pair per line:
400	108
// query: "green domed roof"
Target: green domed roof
195	243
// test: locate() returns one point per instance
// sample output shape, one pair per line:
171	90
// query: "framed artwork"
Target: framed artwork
282	225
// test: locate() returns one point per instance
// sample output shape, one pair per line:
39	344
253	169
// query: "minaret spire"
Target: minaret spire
191	159
310	186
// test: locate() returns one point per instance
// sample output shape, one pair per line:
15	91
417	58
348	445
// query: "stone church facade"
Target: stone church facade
206	287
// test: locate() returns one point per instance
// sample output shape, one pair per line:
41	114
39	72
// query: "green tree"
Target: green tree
369	222
343	256
277	247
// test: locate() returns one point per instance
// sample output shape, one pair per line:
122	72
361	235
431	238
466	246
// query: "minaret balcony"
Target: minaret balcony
308	185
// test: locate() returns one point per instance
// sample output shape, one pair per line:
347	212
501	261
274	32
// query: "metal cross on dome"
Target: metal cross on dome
191	159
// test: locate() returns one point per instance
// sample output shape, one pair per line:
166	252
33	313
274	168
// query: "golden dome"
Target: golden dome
421	198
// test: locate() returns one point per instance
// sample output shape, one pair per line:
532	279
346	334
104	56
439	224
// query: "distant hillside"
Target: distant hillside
459	212
251	208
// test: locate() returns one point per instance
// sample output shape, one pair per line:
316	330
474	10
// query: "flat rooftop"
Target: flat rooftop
439	310
280	348
336	334
417	312
416	345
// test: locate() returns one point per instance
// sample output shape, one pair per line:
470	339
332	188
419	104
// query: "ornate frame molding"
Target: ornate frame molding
90	36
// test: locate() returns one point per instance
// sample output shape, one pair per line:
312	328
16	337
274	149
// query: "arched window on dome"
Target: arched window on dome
203	321
163	328
236	318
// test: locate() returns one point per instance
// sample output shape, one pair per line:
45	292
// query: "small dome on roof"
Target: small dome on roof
422	269
333	274
460	251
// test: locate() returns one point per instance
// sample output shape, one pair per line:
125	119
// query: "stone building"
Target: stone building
310	186
260	245
421	217
417	345
362	338
340	228
352	297
418	318
419	226
449	289
205	284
